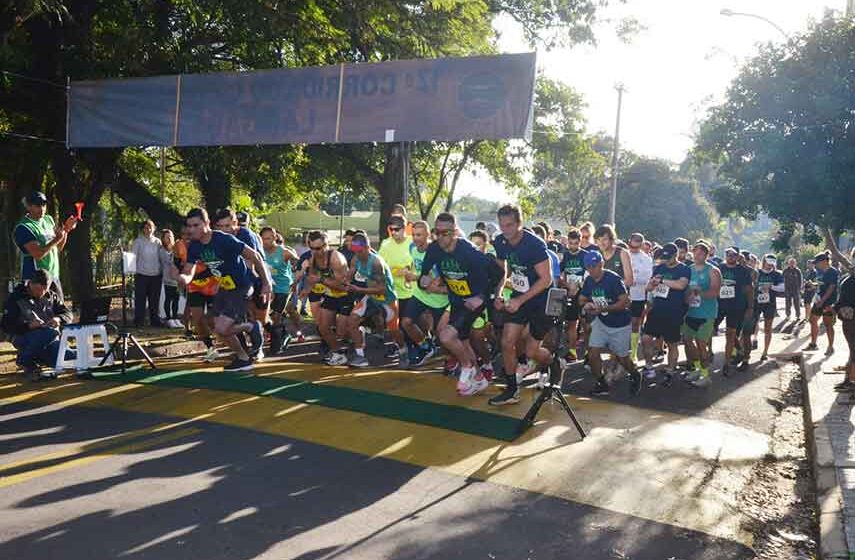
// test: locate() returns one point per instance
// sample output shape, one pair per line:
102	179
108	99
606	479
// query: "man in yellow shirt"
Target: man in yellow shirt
395	250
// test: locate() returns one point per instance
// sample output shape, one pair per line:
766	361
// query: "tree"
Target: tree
657	201
784	136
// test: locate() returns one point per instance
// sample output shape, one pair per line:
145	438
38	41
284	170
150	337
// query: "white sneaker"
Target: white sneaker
211	355
542	380
465	379
523	370
177	324
478	384
337	359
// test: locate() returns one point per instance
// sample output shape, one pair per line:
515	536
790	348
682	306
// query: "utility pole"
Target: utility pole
615	150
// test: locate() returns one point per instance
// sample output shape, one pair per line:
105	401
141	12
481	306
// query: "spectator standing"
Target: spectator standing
170	279
148	277
793	283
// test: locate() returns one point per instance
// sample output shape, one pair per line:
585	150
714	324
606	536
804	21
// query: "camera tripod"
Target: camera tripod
552	390
125	338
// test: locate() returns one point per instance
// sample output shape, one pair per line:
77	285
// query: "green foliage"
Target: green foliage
655	200
783	138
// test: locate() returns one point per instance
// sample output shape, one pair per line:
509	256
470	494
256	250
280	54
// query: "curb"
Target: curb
829	496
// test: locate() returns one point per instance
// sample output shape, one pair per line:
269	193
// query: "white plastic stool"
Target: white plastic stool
84	340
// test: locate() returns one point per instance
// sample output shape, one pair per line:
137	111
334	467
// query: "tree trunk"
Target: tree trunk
395	180
216	188
137	196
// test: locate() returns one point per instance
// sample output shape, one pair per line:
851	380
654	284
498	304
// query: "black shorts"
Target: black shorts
198	299
415	308
461	319
231	304
768	310
533	314
733	318
807	298
280	302
827	311
572	311
338	305
636	308
663	324
315	297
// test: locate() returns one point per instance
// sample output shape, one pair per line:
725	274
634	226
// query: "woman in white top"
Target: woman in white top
148	276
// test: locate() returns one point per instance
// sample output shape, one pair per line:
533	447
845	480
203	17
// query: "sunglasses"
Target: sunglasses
321	248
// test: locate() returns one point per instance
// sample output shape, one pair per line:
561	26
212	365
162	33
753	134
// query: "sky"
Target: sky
675	69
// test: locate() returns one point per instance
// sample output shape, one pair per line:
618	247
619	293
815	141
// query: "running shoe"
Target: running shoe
211	355
812	347
829	351
648	372
465	380
692	376
743	366
508	396
238	365
524	370
571	356
703	381
450	365
301	338
634	383
601	388
420	357
256	338
336	359
542	380
392	353
358	361
476	385
487	371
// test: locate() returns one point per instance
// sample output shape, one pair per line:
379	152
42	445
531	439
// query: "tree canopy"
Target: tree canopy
783	137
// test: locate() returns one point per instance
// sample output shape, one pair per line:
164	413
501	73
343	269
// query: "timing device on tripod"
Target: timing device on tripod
119	349
556	303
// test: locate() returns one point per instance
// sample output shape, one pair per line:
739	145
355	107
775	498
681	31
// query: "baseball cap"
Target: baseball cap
820	257
37	198
732	249
592	259
669	250
242	217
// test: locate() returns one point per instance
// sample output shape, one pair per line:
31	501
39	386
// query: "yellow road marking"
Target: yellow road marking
133	447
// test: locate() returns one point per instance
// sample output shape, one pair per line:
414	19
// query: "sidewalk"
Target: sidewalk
831	440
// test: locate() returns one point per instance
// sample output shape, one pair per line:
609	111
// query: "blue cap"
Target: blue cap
592	258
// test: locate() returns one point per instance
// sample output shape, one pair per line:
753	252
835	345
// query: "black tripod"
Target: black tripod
125	338
552	390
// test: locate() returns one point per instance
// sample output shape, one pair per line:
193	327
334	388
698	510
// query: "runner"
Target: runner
395	251
770	283
226	257
225	220
423	313
586	230
200	296
827	279
465	271
735	303
526	260
702	299
372	285
605	300
482	337
280	261
665	319
328	271
572	276
683	255
615	258
642	271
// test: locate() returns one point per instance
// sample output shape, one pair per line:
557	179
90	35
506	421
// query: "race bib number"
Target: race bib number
227	283
601	302
519	282
661	291
763	297
727	292
458	287
318	288
573	279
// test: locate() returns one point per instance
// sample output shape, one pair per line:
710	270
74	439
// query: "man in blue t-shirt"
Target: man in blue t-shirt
604	298
525	259
827	278
225	220
463	269
226	257
665	319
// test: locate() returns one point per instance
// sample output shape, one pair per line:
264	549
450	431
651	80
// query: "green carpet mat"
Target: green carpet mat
445	416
